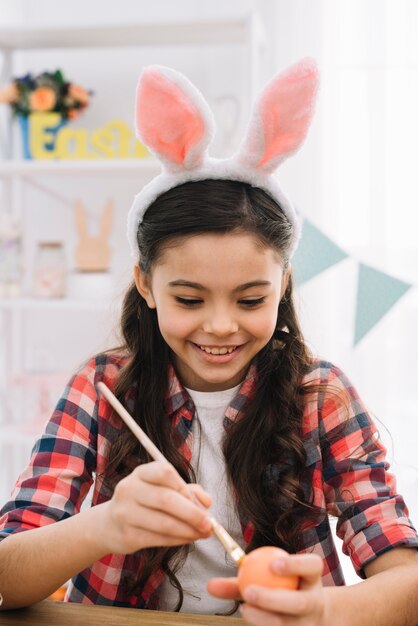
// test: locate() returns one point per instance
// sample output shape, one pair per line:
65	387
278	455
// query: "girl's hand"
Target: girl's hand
281	607
151	507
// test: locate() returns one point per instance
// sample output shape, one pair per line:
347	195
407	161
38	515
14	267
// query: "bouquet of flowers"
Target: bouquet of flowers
47	92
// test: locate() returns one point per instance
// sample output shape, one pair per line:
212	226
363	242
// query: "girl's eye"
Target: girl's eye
187	301
252	303
249	303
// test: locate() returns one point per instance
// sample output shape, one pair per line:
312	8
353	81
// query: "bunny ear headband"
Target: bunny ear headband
175	122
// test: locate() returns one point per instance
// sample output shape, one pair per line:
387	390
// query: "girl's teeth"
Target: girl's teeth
217	350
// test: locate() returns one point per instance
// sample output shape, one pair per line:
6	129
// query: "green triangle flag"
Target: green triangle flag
377	292
315	254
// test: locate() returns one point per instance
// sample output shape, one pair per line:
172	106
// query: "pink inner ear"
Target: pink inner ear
167	120
286	111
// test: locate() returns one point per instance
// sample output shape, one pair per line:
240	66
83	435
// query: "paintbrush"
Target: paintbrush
232	548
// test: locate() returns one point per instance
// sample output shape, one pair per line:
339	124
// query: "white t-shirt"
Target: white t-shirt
207	557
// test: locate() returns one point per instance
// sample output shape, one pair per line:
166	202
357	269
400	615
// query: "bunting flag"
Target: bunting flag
315	254
377	292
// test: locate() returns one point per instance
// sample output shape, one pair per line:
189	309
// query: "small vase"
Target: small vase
25	128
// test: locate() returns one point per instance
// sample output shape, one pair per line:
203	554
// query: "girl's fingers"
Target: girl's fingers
258	617
155	489
173	504
148	538
160	474
276	606
226	588
166	524
284	601
198	492
308	567
165	474
151	507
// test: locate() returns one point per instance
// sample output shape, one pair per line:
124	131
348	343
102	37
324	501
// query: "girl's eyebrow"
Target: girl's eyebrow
186	283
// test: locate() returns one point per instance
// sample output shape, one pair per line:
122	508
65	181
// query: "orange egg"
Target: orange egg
255	570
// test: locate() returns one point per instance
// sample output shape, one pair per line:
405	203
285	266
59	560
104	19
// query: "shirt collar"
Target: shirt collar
177	396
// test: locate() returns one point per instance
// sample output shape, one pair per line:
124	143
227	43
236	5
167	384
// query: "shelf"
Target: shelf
80	167
19	304
128	35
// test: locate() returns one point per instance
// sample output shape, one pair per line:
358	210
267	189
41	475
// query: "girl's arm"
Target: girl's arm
34	563
388	598
147	509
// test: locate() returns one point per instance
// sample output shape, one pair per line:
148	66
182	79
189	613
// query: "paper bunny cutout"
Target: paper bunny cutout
93	253
175	122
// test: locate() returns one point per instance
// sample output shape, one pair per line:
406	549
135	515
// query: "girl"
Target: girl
215	370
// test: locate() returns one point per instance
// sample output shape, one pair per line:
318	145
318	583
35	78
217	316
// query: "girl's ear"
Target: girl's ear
281	117
172	118
142	285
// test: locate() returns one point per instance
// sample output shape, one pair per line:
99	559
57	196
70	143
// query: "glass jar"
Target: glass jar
50	271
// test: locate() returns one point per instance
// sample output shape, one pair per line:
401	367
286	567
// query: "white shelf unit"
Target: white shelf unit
230	31
24	304
246	30
78	167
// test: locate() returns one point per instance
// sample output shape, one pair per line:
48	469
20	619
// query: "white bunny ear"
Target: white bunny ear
172	118
281	117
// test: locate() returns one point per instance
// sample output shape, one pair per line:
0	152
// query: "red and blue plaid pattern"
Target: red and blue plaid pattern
345	460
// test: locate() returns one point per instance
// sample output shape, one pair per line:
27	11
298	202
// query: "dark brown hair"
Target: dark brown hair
268	478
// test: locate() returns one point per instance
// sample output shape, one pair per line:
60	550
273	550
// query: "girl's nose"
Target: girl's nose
220	323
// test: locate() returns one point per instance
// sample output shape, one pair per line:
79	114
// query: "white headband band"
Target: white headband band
175	122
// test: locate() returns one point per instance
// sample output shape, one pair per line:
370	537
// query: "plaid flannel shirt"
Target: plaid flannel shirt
345	460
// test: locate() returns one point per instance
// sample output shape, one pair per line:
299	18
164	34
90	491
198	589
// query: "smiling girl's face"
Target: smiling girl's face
216	298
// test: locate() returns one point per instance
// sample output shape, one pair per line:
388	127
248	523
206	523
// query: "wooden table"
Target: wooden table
71	614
